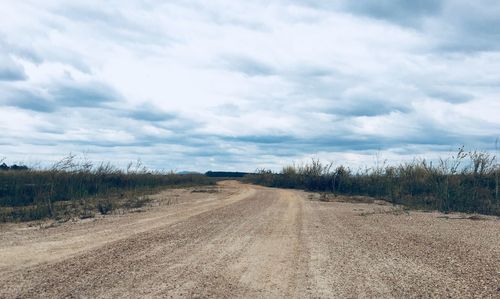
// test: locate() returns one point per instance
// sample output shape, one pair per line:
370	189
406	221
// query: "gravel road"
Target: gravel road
241	240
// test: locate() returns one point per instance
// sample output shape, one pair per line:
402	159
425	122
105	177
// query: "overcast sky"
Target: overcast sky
226	85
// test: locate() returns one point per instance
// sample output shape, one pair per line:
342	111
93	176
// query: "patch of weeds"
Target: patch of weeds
474	217
205	190
87	214
135	202
105	207
393	211
51	224
351	199
477	217
326	197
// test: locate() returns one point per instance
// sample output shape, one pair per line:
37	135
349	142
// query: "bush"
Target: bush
466	182
28	194
105	207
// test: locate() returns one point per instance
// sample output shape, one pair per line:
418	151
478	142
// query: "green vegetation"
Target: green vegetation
225	174
466	182
73	187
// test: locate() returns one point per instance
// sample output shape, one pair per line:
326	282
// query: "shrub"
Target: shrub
465	182
28	194
105	207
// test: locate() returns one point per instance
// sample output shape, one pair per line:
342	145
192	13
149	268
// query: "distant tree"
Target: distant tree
226	174
18	167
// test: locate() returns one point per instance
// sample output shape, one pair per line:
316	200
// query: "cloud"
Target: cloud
60	95
240	85
450	95
16	50
455	26
407	13
467	27
88	94
10	70
28	100
261	139
367	107
148	112
245	65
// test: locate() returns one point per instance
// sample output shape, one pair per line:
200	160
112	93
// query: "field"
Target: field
242	240
76	187
466	182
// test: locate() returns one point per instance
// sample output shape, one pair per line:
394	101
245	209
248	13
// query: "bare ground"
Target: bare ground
247	241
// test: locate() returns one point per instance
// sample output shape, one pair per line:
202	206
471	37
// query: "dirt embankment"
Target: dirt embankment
247	241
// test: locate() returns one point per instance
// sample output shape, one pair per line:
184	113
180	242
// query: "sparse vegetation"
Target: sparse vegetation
466	182
225	174
74	186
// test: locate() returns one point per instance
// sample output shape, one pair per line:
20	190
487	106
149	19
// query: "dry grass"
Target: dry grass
73	187
466	182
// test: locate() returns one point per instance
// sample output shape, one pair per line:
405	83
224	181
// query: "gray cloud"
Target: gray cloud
113	22
25	50
17	50
450	95
434	138
90	94
367	107
408	13
468	26
261	139
246	65
11	71
148	112
457	26
59	95
241	85
28	100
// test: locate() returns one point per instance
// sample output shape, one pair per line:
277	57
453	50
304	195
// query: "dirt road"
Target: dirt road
247	241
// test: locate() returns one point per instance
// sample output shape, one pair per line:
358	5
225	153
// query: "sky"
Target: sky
241	85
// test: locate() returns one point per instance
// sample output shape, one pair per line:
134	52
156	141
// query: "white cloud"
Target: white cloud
239	84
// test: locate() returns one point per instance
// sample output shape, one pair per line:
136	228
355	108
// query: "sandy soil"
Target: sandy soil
247	241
